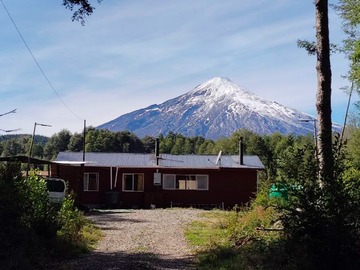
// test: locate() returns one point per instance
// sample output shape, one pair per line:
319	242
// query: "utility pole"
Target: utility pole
31	145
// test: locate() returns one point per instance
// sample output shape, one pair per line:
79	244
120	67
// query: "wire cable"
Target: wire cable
37	63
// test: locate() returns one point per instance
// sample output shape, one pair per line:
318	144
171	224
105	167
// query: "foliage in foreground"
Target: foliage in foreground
75	234
236	240
321	216
315	226
34	230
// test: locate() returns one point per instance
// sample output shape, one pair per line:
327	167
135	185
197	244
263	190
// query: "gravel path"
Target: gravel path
140	239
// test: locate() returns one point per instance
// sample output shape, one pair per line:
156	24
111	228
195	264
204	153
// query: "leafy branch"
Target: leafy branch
310	47
85	9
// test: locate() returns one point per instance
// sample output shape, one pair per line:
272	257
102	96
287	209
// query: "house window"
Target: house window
91	181
133	182
169	181
185	182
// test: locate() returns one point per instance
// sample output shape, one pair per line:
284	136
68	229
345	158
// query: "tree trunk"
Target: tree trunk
323	97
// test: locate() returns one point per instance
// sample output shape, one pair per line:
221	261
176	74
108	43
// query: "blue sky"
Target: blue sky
131	54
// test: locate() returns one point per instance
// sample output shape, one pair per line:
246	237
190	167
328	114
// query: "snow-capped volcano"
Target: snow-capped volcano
214	109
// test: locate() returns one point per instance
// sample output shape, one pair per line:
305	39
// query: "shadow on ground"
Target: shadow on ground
123	260
103	218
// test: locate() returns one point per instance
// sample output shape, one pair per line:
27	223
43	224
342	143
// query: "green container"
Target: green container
278	191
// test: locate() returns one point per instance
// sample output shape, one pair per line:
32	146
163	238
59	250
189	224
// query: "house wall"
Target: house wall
226	186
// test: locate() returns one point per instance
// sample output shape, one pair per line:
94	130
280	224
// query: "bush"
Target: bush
72	225
21	216
251	225
32	228
321	222
319	225
236	240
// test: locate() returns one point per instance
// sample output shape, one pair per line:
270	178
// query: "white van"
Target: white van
56	188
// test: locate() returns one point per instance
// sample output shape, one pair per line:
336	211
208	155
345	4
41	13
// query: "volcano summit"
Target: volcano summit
214	109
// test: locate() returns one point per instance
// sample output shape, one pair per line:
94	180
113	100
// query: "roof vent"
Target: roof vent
218	159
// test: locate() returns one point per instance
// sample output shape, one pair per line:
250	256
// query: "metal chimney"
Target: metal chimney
157	150
241	151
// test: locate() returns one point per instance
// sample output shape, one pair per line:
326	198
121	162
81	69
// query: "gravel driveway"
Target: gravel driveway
140	239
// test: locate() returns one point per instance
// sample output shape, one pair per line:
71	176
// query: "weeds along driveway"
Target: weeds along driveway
140	239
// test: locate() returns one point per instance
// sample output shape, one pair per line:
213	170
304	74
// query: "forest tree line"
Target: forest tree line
274	150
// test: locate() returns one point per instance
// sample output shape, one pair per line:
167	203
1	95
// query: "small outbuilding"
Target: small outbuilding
158	180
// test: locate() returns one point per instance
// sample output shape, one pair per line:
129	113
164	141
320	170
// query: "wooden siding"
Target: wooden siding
227	186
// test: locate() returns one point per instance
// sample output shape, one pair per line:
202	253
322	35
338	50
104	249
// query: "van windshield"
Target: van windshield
55	186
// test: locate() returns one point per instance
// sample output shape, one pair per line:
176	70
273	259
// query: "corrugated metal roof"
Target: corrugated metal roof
165	160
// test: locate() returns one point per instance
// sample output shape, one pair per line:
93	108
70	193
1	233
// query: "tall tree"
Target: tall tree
12	147
323	96
148	143
76	142
58	142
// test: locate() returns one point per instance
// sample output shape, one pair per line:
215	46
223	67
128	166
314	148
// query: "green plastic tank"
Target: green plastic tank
278	191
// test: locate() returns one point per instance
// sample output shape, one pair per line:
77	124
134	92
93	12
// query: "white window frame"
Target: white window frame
133	179
86	181
169	181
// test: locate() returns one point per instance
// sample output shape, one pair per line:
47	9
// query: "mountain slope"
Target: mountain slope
213	109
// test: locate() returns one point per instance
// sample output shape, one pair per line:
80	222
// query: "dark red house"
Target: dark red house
145	180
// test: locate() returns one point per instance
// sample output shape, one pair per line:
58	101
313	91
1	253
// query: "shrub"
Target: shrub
251	225
22	211
38	213
32	228
71	222
321	222
235	239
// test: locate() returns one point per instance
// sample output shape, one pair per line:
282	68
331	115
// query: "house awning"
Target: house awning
25	159
65	162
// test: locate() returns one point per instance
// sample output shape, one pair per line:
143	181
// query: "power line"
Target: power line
37	63
10	130
13	111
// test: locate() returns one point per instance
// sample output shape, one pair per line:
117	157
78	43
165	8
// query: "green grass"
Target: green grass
91	236
87	239
232	240
202	233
